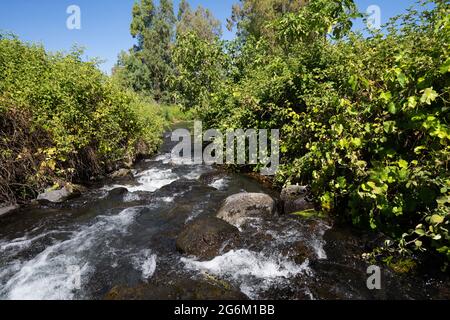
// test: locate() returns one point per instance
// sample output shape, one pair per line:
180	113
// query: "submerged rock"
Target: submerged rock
299	252
178	289
239	207
210	177
204	238
295	199
57	196
117	192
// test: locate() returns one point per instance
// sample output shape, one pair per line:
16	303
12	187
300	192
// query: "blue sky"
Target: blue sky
105	23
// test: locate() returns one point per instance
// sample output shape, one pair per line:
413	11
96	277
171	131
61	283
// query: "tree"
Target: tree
318	20
198	56
200	69
142	17
201	21
131	72
156	52
251	16
147	67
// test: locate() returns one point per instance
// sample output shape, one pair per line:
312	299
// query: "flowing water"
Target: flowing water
117	241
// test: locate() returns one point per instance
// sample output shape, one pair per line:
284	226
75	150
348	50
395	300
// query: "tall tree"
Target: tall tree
251	16
200	21
183	7
142	16
156	52
148	66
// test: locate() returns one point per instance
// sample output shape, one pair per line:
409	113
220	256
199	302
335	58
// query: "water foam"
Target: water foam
131	197
145	262
167	158
195	174
23	243
164	158
149	181
290	234
48	275
254	271
220	184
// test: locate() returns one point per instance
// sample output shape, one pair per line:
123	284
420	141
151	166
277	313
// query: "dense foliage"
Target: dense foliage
364	120
148	67
61	119
251	16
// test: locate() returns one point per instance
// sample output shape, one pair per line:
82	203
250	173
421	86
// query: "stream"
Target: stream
117	241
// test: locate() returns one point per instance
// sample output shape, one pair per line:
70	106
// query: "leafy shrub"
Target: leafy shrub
364	120
89	123
199	69
174	113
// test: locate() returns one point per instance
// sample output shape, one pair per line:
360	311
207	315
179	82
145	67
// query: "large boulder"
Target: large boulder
239	207
295	199
57	196
204	238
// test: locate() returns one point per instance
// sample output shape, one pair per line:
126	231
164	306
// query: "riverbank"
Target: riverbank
122	233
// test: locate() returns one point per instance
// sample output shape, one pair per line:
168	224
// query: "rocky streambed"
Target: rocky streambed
172	231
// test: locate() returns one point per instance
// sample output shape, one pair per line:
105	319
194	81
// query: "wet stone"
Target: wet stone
210	177
295	199
178	289
299	252
205	237
8	209
239	207
61	195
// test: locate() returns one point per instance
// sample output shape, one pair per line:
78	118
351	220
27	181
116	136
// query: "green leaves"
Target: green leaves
412	102
402	79
364	120
420	232
436	219
353	81
403	164
389	127
87	119
386	96
445	67
428	96
392	108
200	65
374	188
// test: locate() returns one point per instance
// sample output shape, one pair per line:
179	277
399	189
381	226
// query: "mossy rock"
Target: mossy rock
310	213
403	266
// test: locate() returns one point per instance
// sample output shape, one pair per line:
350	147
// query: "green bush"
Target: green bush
89	122
364	120
175	113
